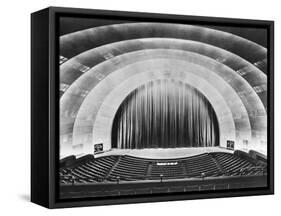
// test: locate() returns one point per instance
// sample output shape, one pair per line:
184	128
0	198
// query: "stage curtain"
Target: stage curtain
165	114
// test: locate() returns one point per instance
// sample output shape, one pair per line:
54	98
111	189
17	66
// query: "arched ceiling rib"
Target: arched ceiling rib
78	42
70	72
70	103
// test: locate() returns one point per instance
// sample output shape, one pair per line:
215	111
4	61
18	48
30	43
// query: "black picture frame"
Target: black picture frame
45	109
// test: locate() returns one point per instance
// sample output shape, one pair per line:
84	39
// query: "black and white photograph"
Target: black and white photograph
149	108
140	108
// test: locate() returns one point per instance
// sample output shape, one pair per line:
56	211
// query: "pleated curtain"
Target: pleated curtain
165	114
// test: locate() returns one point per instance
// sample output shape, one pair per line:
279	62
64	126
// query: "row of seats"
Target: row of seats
128	168
233	165
89	171
202	165
167	171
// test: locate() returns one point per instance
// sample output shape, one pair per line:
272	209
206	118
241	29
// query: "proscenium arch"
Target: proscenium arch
98	94
68	73
102	125
194	57
119	93
77	42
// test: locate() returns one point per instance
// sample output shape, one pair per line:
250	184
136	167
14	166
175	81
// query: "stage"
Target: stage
163	153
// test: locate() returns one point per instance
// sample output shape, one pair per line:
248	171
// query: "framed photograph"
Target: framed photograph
138	107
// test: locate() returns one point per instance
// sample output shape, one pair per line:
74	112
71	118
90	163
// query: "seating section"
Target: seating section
172	169
90	171
202	165
127	168
233	165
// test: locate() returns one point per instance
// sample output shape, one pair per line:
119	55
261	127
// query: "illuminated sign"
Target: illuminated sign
230	144
167	163
98	148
